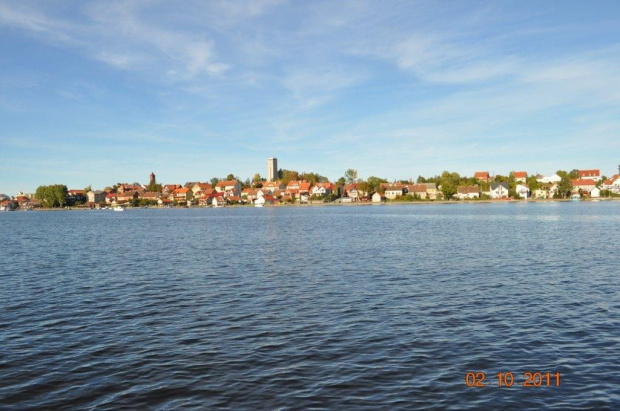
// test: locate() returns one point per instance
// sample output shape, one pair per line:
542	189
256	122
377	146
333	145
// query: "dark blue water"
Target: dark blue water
375	307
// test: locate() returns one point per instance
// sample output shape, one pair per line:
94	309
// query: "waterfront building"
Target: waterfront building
613	184
593	174
583	184
523	191
183	195
377	198
96	197
229	187
499	190
323	189
467	192
393	190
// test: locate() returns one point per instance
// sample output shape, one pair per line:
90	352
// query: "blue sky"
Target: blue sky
101	92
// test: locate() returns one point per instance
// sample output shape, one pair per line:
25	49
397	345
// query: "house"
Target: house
549	180
229	187
377	198
594	175
353	192
595	193
126	196
199	188
293	185
585	185
520	176
110	198
152	196
467	192
74	196
613	184
169	188
394	190
482	176
304	188
499	190
183	195
270	186
542	192
122	188
164	201
96	197
418	190
218	201
323	189
250	194
431	191
207	200
523	191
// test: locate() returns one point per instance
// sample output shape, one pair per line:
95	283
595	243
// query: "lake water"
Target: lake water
373	307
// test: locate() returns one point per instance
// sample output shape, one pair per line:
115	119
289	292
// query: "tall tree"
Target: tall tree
565	187
449	184
350	176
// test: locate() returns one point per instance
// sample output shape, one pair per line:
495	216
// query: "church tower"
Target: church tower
152	181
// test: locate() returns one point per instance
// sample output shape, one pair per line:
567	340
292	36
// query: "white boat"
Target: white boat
575	197
259	202
118	208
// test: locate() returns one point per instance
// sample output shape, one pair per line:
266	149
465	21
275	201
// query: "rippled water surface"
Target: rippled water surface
370	307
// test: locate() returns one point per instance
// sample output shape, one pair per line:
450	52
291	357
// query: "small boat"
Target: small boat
575	197
259	202
118	208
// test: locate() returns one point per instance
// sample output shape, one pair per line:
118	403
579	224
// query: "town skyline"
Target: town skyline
265	175
99	91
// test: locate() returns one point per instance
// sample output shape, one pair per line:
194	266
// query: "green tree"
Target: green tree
532	183
214	181
449	184
574	174
375	183
350	176
153	187
364	187
288	175
565	186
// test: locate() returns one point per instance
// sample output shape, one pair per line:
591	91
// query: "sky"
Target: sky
100	92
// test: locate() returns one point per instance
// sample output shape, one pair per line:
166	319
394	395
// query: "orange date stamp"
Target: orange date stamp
507	379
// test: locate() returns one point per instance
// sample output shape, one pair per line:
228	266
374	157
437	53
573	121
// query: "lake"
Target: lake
369	307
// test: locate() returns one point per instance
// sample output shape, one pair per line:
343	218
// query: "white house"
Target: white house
523	191
377	198
499	190
394	191
595	193
613	184
322	189
550	179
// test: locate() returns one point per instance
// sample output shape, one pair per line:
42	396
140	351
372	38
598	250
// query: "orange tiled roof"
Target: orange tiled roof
589	173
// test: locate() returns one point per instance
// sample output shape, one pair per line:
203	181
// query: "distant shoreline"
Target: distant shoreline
357	204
